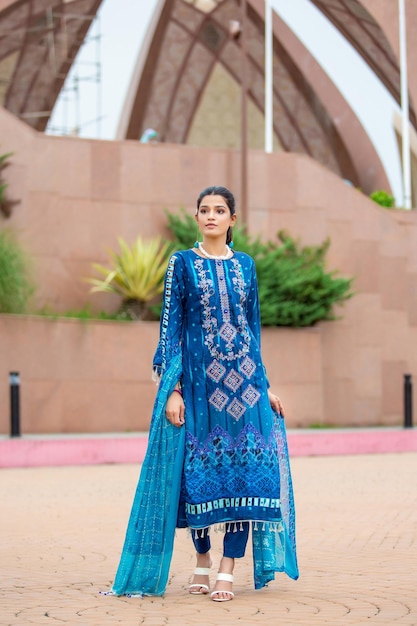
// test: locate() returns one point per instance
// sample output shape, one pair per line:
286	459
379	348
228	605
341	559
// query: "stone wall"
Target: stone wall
96	376
77	196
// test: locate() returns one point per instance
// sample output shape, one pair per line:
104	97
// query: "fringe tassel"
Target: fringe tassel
157	374
220	528
277	527
234	527
200	533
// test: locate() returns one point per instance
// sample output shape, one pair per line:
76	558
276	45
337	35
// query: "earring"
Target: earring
231	245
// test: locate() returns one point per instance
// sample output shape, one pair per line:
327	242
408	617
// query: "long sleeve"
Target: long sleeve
253	311
252	308
170	336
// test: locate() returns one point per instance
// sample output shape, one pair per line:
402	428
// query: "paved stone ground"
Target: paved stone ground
62	528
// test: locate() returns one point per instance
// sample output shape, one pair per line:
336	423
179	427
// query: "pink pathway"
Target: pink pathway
54	450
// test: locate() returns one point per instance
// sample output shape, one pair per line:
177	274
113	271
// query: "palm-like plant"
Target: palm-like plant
137	274
6	204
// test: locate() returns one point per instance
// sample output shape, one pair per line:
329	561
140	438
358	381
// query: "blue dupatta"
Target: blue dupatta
274	546
147	551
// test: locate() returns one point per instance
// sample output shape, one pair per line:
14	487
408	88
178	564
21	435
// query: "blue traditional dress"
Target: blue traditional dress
229	462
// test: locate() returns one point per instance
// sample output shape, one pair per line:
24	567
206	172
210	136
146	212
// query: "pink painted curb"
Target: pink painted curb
356	441
90	450
51	451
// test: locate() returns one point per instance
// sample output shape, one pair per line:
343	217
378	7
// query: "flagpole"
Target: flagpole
244	116
405	109
269	121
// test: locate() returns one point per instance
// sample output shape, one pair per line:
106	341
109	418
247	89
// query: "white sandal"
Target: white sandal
201	589
228	578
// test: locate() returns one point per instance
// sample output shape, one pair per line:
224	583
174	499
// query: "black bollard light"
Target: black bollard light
408	401
14	404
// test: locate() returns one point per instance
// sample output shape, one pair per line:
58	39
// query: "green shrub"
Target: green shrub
383	198
16	286
294	287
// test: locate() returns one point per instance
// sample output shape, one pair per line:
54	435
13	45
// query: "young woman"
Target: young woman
217	453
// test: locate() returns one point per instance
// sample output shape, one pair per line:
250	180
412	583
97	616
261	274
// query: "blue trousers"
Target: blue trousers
234	542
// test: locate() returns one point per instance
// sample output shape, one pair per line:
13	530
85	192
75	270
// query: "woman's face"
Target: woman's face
213	217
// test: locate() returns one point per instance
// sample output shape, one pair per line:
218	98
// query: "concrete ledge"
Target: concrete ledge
43	451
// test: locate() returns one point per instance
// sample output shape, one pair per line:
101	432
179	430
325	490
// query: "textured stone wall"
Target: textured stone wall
77	196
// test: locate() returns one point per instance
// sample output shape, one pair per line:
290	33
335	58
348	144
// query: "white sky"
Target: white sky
367	96
122	24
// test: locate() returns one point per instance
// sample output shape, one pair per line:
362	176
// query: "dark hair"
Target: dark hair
230	201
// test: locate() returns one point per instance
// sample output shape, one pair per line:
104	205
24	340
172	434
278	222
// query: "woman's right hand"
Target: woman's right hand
175	409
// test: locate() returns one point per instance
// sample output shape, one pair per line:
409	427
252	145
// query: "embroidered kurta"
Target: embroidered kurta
231	455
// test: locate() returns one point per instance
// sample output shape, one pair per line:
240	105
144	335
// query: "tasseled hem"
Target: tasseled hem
275	527
235	526
157	374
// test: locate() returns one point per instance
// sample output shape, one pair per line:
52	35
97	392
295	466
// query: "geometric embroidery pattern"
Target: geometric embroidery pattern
250	463
166	311
251	395
218	399
236	409
247	367
233	380
227	332
216	371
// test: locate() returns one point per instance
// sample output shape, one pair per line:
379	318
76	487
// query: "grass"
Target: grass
85	315
16	285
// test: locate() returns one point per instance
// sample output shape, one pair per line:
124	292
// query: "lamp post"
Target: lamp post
14	404
404	107
269	120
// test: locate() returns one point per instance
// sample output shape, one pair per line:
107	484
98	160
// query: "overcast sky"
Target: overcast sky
121	27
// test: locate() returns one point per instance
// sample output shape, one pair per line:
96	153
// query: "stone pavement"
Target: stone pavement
62	528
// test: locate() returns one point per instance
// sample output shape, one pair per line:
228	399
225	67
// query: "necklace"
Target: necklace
213	256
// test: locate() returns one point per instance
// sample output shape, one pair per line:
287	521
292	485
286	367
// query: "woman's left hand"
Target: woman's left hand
275	403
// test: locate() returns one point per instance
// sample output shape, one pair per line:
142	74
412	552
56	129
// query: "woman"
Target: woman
217	453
